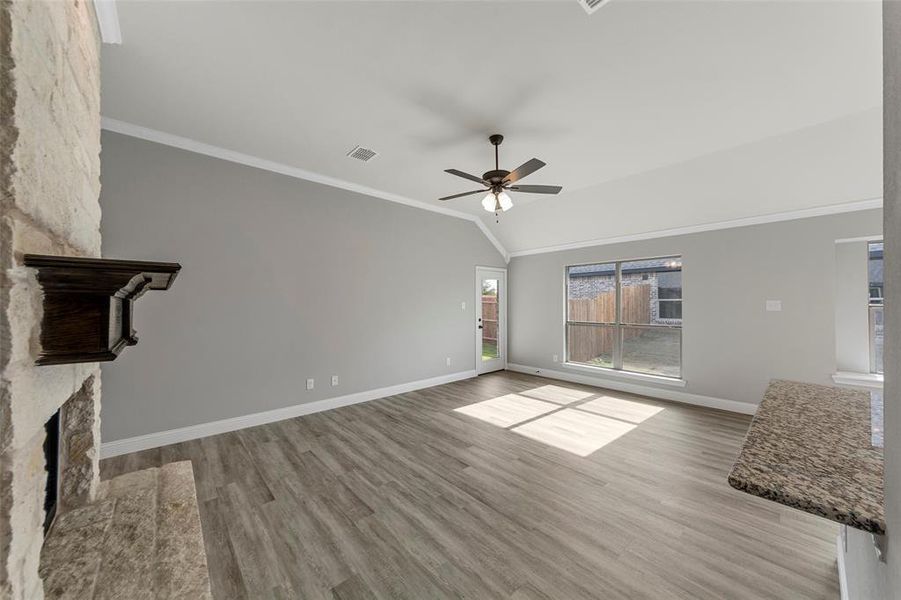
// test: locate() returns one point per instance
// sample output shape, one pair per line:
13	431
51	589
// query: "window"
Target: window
877	333
669	295
626	315
489	320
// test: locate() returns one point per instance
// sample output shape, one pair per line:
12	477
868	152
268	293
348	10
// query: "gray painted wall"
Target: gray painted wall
282	280
731	345
869	579
852	317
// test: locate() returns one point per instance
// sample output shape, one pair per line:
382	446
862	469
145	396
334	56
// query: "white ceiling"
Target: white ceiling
636	87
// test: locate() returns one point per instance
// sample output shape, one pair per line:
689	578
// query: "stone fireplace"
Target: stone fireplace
70	459
49	204
51	465
136	536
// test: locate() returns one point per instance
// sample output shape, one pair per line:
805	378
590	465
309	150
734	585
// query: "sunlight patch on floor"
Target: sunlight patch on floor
508	410
574	431
620	408
557	394
563	417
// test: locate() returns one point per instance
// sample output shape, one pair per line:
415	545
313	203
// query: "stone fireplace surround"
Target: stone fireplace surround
49	204
79	440
24	480
136	536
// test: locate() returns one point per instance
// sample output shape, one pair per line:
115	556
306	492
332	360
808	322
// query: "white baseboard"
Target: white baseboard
192	432
644	390
869	381
840	559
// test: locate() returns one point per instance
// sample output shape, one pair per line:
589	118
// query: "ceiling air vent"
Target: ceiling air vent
361	153
592	5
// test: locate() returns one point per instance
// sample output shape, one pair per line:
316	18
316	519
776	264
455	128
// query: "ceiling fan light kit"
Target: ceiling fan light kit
497	202
498	181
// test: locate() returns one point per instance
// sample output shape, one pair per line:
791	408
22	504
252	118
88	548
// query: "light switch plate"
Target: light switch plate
773	305
463	305
334	380
310	384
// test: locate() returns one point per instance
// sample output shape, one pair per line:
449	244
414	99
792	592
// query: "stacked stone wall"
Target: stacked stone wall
49	204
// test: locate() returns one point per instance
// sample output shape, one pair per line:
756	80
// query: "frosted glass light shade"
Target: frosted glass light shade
494	203
505	201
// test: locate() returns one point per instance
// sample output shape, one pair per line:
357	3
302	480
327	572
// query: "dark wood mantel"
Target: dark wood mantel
88	304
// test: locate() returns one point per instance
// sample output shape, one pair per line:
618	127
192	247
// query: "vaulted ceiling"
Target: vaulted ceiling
652	115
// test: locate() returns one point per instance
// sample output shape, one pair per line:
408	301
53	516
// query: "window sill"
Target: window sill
626	375
870	381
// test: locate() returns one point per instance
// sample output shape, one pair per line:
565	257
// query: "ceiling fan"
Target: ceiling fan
499	181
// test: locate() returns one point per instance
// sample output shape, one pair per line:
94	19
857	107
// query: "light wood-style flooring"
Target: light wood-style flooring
535	489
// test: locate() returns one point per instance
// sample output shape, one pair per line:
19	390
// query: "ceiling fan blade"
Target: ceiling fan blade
465	176
463	194
537	189
526	168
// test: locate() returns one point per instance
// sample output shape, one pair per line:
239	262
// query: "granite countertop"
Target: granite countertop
819	449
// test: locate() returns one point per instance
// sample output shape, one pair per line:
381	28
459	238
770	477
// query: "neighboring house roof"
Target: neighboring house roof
643	266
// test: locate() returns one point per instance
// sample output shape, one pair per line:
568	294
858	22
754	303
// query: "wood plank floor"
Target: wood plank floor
559	491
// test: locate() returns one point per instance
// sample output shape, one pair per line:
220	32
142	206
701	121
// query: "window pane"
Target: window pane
591	291
653	350
874	267
645	284
877	338
877	330
671	309
489	319
590	344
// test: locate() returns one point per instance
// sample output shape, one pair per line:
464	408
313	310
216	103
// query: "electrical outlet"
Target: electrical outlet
774	305
556	358
447	361
463	305
334	380
310	384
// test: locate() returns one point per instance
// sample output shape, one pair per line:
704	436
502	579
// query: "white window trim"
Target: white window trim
626	375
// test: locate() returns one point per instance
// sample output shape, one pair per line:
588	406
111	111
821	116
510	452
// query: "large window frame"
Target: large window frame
618	325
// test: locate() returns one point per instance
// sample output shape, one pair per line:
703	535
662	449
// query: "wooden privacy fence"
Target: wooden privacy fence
585	343
602	308
489	318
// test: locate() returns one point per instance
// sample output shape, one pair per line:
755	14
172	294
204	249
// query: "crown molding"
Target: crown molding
863	238
488	234
183	143
791	215
108	20
168	139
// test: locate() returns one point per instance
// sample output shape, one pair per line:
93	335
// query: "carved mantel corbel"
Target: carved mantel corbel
88	304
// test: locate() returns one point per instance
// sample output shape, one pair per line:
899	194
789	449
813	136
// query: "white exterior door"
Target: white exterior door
491	319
